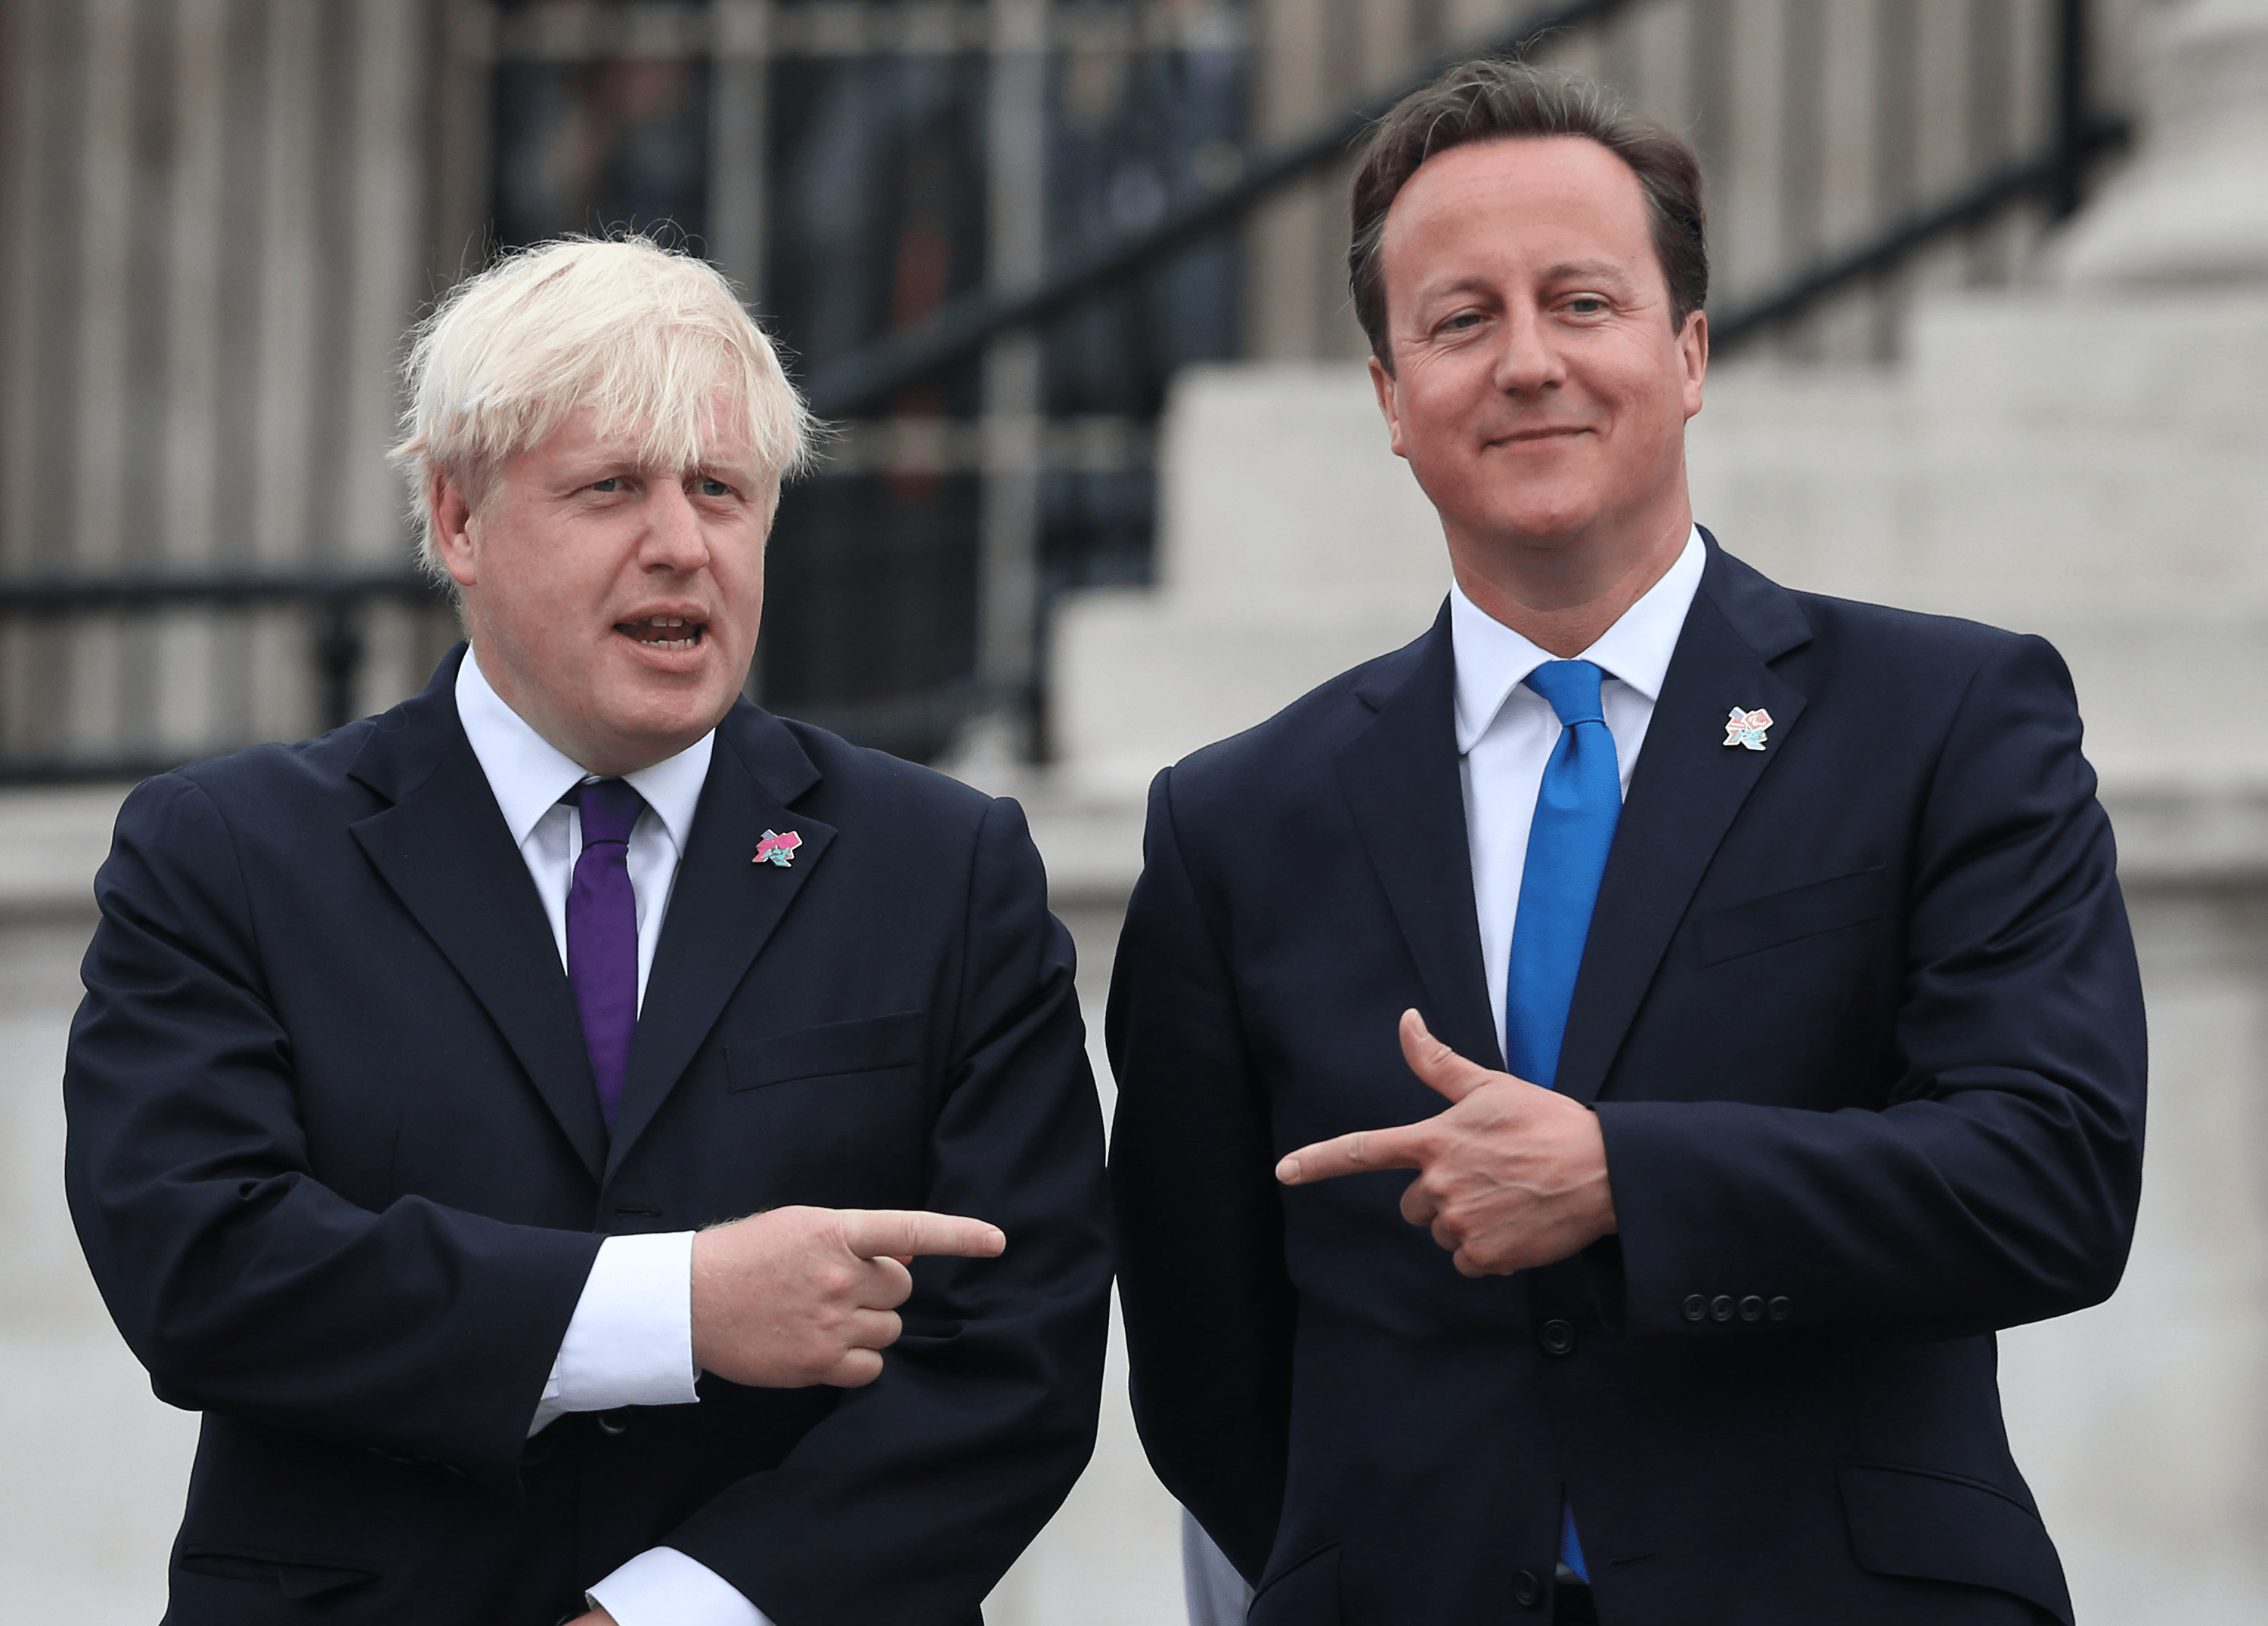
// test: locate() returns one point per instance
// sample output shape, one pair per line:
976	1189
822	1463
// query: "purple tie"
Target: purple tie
602	946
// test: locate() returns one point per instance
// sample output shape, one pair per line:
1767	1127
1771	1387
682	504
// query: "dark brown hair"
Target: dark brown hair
1491	98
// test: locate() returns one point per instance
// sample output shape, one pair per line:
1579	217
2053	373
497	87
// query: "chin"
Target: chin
681	718
1547	531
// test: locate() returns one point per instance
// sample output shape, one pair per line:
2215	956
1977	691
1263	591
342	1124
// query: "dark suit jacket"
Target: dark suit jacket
338	1165
1859	1017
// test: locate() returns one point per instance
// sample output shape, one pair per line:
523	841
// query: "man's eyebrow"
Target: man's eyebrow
1455	285
1609	271
1589	270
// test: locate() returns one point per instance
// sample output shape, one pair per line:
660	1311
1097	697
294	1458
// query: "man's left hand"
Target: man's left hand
1510	1177
594	1617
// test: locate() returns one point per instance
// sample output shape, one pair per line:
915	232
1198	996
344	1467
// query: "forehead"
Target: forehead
584	436
1523	201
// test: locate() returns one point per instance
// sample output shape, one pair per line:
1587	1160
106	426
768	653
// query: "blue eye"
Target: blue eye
611	484
714	488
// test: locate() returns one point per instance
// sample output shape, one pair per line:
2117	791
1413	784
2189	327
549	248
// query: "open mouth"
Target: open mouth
663	632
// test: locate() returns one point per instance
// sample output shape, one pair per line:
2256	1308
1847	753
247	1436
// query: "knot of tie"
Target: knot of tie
610	808
1572	689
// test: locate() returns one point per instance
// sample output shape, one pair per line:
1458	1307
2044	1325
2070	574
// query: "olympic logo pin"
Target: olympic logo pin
1746	728
777	848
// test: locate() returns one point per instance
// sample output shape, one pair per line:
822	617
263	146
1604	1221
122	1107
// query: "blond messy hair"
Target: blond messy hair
655	342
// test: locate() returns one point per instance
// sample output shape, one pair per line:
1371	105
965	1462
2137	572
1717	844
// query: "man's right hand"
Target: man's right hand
801	1296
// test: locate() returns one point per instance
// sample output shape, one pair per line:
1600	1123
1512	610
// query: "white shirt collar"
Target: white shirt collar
1492	659
528	773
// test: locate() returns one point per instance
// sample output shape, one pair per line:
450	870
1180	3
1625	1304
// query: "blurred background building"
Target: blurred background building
1991	307
220	214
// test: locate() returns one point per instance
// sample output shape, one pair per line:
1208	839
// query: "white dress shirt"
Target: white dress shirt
629	1342
1505	731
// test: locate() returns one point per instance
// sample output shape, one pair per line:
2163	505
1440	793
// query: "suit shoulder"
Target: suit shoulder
1892	630
874	783
1915	657
1913	646
275	779
1302	738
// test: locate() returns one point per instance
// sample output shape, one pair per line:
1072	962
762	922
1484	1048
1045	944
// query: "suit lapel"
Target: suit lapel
724	908
444	849
1400	782
1683	796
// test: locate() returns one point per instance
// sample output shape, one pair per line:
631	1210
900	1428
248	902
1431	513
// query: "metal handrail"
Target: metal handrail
2048	176
28	595
962	326
336	596
961	329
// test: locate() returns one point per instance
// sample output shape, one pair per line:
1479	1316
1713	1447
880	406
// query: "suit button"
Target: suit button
1779	1309
1527	1591
1696	1307
613	1423
1557	1338
1752	1308
1721	1308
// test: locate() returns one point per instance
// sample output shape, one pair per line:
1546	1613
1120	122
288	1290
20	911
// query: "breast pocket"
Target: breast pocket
869	1044
1789	916
837	1115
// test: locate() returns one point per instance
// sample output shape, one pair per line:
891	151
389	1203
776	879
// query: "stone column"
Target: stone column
2193	209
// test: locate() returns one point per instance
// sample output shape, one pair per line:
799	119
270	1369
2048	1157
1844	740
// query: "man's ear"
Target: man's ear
450	507
1382	381
1693	350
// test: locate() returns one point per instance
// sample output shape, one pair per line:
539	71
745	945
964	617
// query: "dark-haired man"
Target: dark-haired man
1743	975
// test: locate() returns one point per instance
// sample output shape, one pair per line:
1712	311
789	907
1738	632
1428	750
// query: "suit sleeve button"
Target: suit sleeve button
1721	1308
1696	1307
1779	1309
1527	1591
1557	1338
1752	1308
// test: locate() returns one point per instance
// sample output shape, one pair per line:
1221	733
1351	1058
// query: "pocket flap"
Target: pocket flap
1304	1594
1785	916
871	1044
1934	1526
297	1575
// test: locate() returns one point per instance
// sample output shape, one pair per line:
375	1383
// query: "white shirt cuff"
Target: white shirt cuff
630	1340
661	1586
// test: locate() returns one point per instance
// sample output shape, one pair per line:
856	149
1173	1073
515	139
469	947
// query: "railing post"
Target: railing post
338	657
2075	115
1007	586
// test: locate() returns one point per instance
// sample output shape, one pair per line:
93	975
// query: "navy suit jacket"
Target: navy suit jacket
337	1161
1860	1016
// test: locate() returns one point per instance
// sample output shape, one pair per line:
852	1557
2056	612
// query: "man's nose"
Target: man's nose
1527	358
674	539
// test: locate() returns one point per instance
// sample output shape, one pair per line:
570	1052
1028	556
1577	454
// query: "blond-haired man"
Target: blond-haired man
428	1069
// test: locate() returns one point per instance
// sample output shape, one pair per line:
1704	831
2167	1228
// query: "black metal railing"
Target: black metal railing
336	603
964	327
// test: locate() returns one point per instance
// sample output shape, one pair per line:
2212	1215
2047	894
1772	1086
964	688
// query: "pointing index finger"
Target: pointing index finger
904	1233
1358	1153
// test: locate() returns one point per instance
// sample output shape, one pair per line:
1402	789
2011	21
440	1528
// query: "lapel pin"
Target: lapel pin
1746	728
777	849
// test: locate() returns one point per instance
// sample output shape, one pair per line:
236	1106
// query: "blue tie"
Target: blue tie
1576	808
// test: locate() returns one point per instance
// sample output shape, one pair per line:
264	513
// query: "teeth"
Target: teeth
645	628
